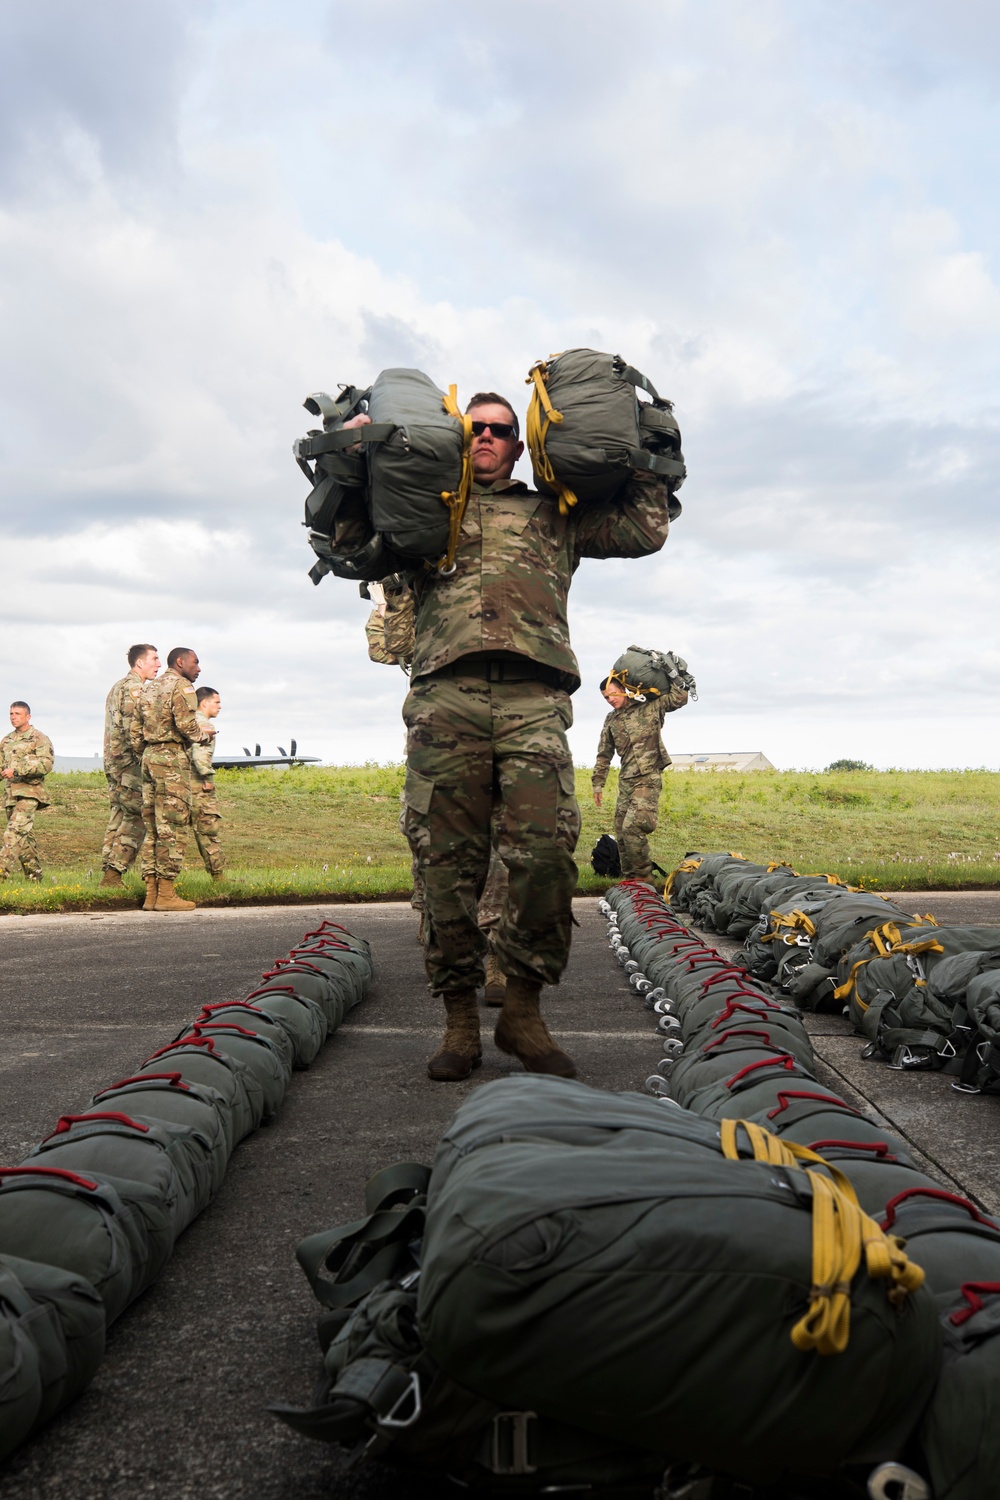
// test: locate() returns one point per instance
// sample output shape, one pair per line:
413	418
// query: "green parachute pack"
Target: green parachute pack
405	475
651	674
587	429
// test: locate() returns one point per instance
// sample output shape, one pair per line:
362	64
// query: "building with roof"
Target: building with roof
722	760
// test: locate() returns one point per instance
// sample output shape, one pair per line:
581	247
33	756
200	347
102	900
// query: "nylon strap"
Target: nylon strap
541	415
457	500
842	1236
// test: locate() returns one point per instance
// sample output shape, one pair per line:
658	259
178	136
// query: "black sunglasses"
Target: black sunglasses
498	429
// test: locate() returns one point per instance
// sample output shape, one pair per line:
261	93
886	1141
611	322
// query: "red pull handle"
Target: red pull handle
780	1060
942	1196
970	1291
175	1080
880	1148
785	1098
66	1122
49	1172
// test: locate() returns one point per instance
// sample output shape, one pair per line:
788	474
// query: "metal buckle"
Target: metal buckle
897	1482
412	1392
509	1443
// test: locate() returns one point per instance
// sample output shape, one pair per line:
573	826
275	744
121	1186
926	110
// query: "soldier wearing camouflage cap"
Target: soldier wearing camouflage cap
632	730
163	726
125	831
25	761
487	715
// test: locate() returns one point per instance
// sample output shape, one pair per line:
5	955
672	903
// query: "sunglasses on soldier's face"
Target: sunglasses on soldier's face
498	429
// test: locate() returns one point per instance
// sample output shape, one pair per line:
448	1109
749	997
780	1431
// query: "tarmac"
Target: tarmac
178	1407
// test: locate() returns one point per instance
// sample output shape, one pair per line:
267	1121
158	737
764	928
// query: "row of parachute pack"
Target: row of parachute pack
742	1287
406	475
89	1218
927	996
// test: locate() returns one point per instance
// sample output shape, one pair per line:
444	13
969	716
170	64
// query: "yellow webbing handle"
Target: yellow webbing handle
541	415
457	500
777	864
888	939
843	991
685	867
842	1234
795	921
631	690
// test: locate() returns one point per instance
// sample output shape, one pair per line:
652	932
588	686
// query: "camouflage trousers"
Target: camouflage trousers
19	847
494	892
206	820
166	807
126	830
488	764
636	814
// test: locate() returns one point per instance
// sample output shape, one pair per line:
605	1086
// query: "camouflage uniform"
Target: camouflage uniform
391	639
28	753
126	830
206	817
634	732
163	725
487	715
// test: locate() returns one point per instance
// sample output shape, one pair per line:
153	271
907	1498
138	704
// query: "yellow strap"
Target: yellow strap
684	868
778	864
888	939
796	921
843	991
457	500
632	689
541	415
842	1234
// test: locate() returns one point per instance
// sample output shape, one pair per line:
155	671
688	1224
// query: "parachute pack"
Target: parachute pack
587	428
406	473
651	674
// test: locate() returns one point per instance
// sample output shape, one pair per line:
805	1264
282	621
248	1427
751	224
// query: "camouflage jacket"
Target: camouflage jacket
514	563
165	714
28	753
633	731
201	755
118	711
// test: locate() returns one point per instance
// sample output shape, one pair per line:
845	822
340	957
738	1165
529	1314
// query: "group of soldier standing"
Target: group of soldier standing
158	737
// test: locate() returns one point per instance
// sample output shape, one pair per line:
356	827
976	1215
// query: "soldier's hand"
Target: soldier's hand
598	798
361	420
9	775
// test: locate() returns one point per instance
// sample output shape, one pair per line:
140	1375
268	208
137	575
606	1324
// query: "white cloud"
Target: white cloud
775	210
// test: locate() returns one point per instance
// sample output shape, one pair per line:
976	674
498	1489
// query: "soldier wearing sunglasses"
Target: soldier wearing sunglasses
487	715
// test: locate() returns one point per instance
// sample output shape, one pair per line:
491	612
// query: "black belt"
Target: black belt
496	668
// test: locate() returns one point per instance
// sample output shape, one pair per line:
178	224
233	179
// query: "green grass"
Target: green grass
330	833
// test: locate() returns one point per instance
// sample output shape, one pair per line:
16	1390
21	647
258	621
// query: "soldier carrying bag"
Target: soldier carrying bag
643	674
409	484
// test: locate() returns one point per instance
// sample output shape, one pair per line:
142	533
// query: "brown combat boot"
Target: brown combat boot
111	876
150	902
167	898
460	1050
522	1033
496	980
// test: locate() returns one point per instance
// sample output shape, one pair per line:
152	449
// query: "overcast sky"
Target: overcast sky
785	211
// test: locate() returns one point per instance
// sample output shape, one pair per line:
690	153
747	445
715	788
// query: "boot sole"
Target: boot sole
453	1076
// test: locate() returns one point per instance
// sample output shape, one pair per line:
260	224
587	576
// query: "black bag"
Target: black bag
605	857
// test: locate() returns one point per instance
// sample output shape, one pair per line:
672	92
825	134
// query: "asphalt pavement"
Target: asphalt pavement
178	1407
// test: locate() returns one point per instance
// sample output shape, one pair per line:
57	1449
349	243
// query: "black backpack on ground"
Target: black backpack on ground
605	858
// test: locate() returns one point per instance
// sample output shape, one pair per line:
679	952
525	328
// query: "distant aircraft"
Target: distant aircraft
246	761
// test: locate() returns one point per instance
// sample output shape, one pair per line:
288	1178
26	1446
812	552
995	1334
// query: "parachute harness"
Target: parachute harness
457	500
541	415
842	1235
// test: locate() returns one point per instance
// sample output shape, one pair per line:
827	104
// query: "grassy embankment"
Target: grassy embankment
329	833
